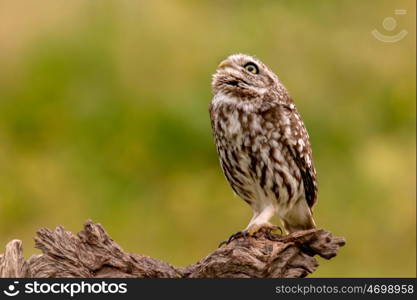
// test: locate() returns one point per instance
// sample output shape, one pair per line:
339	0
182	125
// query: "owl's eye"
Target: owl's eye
252	68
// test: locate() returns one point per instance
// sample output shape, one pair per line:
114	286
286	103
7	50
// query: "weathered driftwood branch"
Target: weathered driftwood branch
92	253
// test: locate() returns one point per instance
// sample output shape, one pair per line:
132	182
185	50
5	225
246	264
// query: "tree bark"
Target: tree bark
92	253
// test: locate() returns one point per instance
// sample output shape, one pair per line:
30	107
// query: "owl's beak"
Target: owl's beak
224	64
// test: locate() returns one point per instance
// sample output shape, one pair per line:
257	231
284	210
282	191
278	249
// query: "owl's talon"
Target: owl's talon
234	236
261	228
266	230
271	236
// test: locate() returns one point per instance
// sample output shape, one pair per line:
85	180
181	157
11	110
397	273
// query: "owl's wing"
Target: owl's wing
308	175
298	143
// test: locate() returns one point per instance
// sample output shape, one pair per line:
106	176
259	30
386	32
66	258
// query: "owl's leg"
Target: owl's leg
261	220
299	217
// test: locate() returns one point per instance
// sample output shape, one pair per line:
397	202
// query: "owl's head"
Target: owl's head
244	77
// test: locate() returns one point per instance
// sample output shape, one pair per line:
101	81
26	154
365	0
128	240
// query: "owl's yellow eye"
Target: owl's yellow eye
252	68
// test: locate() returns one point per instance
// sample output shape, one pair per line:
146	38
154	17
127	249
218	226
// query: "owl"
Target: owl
262	144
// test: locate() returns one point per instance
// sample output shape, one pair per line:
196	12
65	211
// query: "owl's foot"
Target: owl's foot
252	230
234	236
264	227
267	229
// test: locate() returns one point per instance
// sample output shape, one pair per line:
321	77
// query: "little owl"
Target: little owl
263	146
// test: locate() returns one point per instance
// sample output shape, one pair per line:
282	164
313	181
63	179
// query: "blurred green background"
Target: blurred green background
103	115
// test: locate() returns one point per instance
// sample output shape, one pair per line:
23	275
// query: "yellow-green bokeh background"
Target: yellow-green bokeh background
103	115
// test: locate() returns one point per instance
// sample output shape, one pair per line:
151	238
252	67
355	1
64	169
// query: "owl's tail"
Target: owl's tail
299	217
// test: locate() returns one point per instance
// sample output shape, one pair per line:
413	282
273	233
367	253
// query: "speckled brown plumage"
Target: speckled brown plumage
262	143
